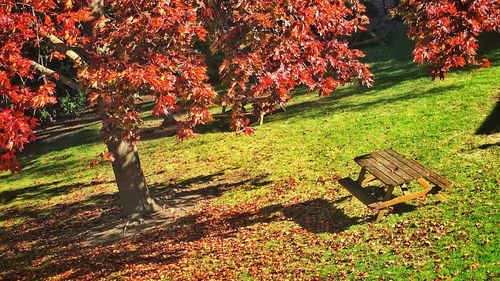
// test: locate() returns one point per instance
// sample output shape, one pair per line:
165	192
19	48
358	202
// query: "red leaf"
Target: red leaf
107	156
248	131
486	63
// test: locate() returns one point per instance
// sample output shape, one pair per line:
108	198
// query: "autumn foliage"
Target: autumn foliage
446	32
128	49
146	48
23	25
272	47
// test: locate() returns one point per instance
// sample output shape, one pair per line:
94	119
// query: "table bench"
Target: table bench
393	170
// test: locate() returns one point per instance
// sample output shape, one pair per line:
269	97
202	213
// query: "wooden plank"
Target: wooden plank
408	163
358	192
424	171
402	199
414	174
425	184
361	177
439	180
378	170
432	176
393	167
428	173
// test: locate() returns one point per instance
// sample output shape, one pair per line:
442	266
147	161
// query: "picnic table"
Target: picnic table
393	170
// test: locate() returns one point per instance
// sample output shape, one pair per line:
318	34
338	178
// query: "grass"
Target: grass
285	215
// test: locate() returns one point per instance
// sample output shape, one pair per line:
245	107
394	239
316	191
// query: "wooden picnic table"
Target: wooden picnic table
393	170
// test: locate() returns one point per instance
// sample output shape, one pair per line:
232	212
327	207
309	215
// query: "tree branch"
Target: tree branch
60	46
61	78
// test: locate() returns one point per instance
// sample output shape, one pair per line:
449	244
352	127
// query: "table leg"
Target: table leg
387	196
368	179
425	184
380	215
363	179
361	176
404	189
441	198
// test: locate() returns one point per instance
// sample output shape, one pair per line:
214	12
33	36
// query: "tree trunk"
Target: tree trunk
132	187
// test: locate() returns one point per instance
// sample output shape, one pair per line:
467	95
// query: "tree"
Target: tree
144	48
446	32
126	49
25	25
271	48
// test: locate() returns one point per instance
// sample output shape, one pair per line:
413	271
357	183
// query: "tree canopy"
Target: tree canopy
127	49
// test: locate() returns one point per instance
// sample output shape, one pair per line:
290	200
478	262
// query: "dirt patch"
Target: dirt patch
179	200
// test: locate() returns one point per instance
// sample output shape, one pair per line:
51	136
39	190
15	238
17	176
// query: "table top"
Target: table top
394	169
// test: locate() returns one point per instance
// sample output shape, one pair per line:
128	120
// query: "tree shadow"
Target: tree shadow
491	125
59	241
316	215
76	138
325	106
42	191
7	196
53	131
54	241
191	192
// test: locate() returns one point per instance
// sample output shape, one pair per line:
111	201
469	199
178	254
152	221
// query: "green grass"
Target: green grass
295	155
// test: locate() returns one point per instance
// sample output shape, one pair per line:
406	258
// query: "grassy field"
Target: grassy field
276	210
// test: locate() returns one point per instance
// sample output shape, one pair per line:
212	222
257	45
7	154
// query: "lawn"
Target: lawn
275	209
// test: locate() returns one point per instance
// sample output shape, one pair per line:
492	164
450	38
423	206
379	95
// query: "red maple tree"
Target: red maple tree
272	47
24	25
446	32
127	49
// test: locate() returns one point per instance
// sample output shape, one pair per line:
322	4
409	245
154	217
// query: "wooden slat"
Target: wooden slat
378	170
408	163
424	171
358	192
432	176
437	179
402	199
392	167
414	174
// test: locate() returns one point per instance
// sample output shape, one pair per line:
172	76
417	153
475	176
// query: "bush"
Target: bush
70	103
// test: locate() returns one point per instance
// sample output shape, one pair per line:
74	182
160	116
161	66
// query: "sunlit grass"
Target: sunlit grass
316	138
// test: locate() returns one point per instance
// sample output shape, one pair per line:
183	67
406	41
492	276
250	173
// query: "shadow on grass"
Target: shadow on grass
316	215
491	124
41	191
53	242
191	192
325	106
81	137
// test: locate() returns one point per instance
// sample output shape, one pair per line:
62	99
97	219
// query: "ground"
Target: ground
268	206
